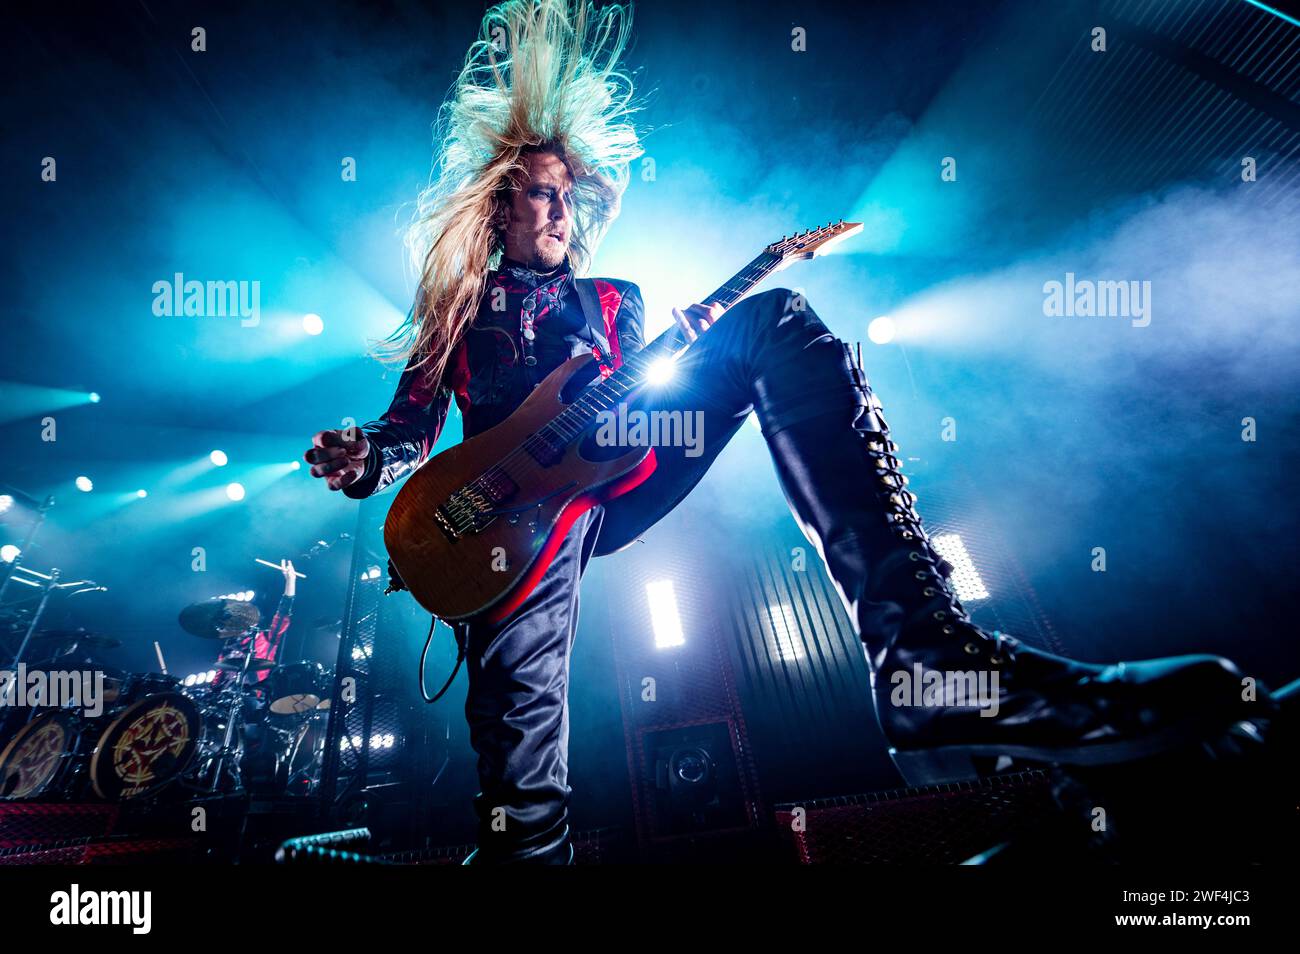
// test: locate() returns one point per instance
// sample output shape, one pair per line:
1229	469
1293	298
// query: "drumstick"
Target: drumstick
162	664
276	566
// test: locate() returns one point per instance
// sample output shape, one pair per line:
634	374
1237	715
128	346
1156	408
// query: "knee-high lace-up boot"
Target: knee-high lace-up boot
982	696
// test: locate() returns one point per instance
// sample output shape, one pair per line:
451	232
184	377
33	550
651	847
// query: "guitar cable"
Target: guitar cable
461	637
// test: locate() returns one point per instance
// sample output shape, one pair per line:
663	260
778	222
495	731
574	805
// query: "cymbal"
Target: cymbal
85	637
237	665
219	619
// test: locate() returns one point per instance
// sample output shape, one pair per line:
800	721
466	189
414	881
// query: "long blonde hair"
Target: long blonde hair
541	77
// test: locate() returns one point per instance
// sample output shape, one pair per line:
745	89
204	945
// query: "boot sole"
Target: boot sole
956	763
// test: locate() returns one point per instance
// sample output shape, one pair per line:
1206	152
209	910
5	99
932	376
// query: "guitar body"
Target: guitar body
490	571
474	529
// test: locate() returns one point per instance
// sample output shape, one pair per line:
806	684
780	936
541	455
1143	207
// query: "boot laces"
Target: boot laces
934	571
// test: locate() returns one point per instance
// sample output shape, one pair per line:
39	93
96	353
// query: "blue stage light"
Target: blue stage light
881	330
93	396
84	484
6	502
312	324
142	493
235	491
9	553
219	458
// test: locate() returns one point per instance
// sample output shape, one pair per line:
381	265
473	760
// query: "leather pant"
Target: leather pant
517	705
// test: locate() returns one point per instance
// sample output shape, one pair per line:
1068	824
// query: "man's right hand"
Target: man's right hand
338	456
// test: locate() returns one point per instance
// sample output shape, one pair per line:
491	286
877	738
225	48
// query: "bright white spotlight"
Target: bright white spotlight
660	371
5	502
142	493
295	465
312	324
663	614
235	491
9	553
966	579
85	485
881	330
93	397
219	458
785	630
211	674
190	680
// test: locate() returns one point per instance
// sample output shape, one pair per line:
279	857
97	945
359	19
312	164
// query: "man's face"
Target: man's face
539	218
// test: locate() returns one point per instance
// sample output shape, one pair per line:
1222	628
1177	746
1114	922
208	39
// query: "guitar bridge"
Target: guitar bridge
474	506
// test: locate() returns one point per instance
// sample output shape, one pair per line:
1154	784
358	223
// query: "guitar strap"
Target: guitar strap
597	320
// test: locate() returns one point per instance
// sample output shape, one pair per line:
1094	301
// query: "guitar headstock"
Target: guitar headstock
805	245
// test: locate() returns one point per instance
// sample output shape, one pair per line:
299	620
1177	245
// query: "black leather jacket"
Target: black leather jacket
488	374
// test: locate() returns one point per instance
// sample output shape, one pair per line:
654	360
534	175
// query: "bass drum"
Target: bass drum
146	747
41	756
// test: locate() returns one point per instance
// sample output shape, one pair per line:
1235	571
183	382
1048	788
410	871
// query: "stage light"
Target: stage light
235	491
94	397
6	502
211	674
660	371
663	614
785	628
9	553
965	578
371	574
295	465
190	680
881	330
85	485
312	324
219	458
142	493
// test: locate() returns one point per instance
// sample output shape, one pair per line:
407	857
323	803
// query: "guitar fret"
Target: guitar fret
631	374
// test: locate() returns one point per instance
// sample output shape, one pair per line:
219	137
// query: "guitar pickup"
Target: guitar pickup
497	486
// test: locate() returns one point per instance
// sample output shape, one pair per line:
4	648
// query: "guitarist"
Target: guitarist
536	147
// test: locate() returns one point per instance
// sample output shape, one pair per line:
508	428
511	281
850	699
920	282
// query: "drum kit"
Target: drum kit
256	728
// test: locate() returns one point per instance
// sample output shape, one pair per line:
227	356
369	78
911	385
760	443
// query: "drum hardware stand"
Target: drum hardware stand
234	720
50	584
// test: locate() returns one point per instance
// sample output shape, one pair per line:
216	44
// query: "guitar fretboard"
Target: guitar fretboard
579	415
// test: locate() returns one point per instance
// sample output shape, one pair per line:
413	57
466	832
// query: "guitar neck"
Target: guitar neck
727	294
600	397
739	285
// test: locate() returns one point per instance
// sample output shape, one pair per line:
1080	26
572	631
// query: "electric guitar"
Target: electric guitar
475	527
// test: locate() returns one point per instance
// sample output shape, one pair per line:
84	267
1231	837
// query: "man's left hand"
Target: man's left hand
697	318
